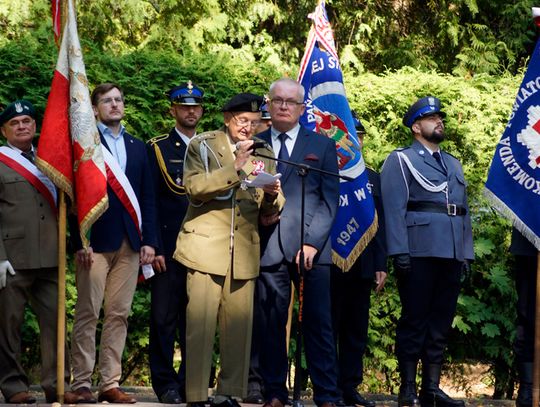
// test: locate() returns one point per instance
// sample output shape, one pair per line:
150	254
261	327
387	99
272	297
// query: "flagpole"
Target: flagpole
61	318
61	326
536	364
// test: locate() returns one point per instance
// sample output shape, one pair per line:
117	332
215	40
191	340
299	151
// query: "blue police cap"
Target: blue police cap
17	108
243	102
425	106
265	114
357	123
186	94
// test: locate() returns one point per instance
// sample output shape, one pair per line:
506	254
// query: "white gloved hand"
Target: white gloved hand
5	266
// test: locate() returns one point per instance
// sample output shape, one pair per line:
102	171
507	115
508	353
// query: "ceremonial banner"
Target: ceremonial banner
513	184
56	18
69	149
328	112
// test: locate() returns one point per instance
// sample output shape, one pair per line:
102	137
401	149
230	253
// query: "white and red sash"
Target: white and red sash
119	183
14	160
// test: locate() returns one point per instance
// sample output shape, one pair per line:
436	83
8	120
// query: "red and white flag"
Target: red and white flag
69	149
56	18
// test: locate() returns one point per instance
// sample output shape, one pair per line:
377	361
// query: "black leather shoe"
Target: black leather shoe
171	396
228	402
196	404
407	395
356	399
437	397
254	397
23	397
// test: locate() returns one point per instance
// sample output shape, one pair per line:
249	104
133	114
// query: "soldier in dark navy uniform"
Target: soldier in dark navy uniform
351	293
428	230
525	277
169	298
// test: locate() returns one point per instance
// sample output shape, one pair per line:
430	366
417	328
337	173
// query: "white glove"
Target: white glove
5	266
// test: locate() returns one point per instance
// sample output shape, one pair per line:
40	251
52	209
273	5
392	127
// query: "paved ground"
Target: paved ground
147	398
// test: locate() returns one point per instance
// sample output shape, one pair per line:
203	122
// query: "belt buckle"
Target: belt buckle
452	209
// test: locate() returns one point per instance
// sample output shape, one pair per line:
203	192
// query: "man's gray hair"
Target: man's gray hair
289	81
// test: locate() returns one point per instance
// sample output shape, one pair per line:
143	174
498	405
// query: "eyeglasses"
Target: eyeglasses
108	101
243	122
287	103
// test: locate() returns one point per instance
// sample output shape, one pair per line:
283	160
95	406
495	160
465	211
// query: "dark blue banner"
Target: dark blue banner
328	112
513	184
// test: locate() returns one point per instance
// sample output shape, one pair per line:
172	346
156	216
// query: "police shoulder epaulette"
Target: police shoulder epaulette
154	140
402	148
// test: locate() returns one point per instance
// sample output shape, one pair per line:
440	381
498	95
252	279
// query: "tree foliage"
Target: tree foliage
465	51
465	37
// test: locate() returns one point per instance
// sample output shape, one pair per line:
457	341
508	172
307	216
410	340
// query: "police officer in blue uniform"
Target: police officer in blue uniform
351	292
169	298
429	236
525	256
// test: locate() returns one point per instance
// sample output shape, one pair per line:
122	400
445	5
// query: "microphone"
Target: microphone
254	146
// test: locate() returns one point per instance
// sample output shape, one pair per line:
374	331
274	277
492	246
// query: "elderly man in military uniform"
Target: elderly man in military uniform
169	297
219	244
429	236
28	257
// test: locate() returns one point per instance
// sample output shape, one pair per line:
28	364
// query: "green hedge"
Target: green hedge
477	111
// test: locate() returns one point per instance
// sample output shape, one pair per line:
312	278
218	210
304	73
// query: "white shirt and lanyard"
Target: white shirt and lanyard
117	148
292	134
116	144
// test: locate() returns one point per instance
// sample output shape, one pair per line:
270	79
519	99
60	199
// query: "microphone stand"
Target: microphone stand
302	170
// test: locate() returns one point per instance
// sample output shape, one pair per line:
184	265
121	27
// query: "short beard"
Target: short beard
435	137
111	123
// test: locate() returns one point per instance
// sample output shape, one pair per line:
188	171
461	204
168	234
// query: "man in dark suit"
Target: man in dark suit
169	297
280	248
525	255
123	238
351	292
428	233
28	257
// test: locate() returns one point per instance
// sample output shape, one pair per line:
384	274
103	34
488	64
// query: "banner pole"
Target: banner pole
62	227
61	322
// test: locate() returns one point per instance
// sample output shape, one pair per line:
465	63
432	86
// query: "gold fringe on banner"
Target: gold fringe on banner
345	264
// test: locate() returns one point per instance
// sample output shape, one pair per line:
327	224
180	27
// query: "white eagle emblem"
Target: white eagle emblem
530	136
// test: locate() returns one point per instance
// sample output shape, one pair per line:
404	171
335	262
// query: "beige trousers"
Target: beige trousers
213	298
111	282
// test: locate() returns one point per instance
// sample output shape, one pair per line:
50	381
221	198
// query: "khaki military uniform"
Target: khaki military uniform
29	241
219	243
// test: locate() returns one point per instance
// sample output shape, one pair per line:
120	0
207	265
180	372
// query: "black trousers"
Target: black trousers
350	315
428	294
525	278
167	326
273	291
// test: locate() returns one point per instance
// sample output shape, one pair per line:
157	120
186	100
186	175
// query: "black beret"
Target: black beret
425	106
186	94
17	108
244	102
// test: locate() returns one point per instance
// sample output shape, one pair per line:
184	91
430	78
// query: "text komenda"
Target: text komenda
514	169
